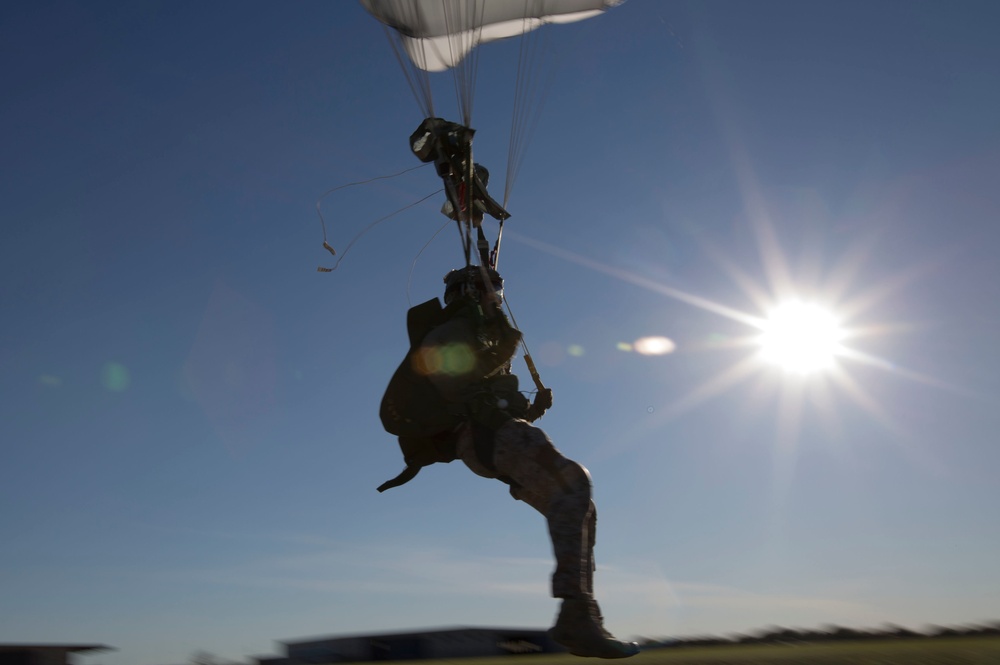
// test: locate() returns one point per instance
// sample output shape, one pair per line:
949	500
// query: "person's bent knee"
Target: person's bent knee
576	478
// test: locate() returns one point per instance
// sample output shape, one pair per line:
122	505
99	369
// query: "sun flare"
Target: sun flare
801	338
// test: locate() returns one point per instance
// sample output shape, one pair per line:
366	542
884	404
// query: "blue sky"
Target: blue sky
188	410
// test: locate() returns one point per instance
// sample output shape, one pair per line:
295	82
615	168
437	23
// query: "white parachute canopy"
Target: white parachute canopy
438	34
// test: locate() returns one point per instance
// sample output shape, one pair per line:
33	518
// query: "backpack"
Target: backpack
413	409
411	405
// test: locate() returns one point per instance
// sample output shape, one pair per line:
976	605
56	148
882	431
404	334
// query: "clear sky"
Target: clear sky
189	411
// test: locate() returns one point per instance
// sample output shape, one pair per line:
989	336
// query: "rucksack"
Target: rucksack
411	405
413	409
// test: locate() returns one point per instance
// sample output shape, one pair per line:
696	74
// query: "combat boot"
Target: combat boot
580	628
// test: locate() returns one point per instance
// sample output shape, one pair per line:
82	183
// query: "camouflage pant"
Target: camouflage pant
557	487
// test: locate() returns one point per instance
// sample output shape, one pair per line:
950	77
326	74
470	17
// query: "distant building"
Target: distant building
457	642
44	654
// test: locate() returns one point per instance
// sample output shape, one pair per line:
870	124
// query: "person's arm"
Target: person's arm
541	404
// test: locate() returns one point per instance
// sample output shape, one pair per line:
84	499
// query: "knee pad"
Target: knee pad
577	478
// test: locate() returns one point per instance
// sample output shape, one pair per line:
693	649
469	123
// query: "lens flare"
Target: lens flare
654	346
115	377
450	359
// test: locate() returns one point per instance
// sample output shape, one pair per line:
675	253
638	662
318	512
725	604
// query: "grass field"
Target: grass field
928	651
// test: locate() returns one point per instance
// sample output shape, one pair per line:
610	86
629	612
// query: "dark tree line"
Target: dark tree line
829	633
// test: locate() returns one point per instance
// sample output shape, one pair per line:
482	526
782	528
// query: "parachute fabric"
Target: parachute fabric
438	34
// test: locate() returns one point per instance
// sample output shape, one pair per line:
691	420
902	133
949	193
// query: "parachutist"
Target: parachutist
455	397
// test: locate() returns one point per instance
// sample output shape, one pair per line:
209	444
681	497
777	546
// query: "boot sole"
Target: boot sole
581	651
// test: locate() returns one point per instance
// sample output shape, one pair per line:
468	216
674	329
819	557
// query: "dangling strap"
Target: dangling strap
407	474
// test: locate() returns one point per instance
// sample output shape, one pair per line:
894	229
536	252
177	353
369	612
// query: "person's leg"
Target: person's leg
560	489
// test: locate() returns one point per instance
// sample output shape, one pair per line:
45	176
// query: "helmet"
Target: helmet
470	279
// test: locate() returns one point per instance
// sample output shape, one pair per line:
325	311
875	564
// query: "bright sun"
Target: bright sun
801	338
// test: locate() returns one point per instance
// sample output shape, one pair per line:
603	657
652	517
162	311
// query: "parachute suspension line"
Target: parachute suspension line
472	74
409	276
532	370
464	22
512	146
367	229
520	127
456	31
515	112
418	80
529	98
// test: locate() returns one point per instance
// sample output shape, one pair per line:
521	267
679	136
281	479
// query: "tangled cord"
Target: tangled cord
326	244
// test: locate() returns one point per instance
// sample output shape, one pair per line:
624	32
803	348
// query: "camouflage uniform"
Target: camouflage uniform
460	357
555	486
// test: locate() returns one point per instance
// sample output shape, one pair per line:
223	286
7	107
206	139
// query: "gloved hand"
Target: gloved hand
543	401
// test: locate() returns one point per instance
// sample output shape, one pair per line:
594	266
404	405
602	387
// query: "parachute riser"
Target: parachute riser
532	370
495	254
464	212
